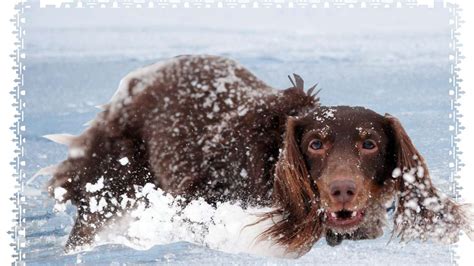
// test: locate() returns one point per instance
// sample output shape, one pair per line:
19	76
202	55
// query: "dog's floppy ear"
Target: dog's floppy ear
298	224
422	212
292	183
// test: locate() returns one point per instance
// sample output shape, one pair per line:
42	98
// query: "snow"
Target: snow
394	62
408	177
242	110
163	220
124	161
243	173
145	76
59	193
95	187
413	204
76	152
97	206
329	113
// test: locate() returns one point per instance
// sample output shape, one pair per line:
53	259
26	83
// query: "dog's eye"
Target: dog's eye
368	144
316	144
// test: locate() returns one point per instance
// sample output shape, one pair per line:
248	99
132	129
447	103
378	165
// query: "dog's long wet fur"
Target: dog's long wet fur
204	126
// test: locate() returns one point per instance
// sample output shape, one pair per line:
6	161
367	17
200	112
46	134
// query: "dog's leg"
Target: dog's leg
82	232
99	177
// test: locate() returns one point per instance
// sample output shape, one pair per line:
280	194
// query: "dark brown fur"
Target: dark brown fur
203	126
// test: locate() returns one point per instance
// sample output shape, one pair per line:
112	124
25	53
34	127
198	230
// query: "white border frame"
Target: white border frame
9	185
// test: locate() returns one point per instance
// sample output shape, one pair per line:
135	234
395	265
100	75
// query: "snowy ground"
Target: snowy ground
393	61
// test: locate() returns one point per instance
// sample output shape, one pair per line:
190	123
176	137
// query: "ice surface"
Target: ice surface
394	61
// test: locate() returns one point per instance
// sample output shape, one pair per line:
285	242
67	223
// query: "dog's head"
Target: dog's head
349	156
338	169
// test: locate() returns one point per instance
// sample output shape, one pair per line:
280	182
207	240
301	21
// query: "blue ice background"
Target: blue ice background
393	60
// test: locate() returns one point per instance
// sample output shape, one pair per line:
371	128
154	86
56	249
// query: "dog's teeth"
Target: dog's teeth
353	214
333	215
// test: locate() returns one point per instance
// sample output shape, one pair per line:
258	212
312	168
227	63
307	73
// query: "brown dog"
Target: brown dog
204	126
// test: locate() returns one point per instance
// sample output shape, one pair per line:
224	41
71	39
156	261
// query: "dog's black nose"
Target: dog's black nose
342	191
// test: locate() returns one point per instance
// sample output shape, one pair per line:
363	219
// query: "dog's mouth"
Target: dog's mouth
344	218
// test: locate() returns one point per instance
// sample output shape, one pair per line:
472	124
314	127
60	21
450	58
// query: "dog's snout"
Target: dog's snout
343	191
